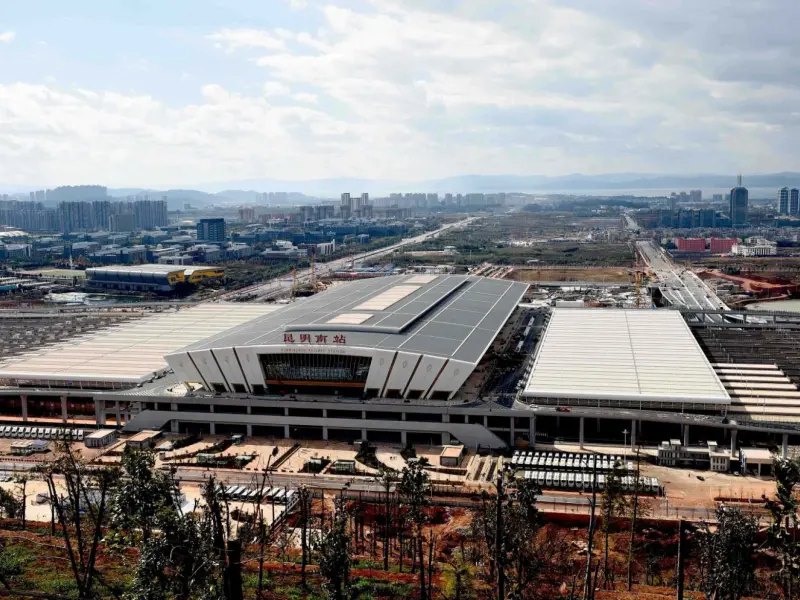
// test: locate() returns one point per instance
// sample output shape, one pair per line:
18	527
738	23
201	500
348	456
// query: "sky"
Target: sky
178	92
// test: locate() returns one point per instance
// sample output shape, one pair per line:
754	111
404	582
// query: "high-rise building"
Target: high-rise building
247	214
673	203
707	217
696	195
783	201
794	201
717	198
28	216
150	213
101	212
356	208
75	216
475	200
211	230
122	222
738	204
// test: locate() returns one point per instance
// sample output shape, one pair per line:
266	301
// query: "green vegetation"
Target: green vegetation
497	240
240	274
124	533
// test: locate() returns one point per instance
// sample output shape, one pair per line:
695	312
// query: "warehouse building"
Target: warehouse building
153	278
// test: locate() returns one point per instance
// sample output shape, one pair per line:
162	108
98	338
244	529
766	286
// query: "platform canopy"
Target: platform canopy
627	355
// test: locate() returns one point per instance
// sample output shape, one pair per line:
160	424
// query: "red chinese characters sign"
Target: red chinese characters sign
317	339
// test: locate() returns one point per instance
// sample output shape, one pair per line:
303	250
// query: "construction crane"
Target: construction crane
313	269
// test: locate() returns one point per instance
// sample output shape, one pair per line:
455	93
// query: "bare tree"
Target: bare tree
612	506
333	550
387	479
634	515
21	479
588	591
782	536
264	480
304	497
82	512
414	491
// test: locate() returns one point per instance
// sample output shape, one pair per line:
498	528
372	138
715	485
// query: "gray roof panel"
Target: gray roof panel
439	319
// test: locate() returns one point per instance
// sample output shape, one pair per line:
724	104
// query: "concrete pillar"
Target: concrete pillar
532	432
759	469
325	434
324	413
213	429
100	412
211	408
249	429
117	413
785	446
173	406
64	409
445	438
403	438
685	435
173	425
633	433
24	402
486	420
363	434
580	432
733	441
402	416
286	433
249	410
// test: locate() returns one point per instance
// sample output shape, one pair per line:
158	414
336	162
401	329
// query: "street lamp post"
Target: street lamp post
625	445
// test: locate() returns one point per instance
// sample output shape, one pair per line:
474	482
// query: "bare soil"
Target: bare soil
598	274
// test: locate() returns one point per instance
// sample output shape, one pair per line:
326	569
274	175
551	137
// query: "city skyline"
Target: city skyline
406	90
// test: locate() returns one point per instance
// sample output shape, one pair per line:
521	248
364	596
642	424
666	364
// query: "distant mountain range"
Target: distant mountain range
509	183
304	191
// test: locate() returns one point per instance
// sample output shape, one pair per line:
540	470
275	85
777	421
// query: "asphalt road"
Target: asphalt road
275	287
680	287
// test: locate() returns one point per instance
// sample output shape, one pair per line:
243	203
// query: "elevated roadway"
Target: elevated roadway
680	287
279	285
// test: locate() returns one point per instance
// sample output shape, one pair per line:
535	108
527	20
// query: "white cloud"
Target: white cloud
274	88
234	39
298	4
410	89
7	37
306	97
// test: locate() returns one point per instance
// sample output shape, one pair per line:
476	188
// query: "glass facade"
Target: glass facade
315	368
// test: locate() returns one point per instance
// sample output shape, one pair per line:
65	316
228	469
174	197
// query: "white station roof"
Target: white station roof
633	355
131	352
